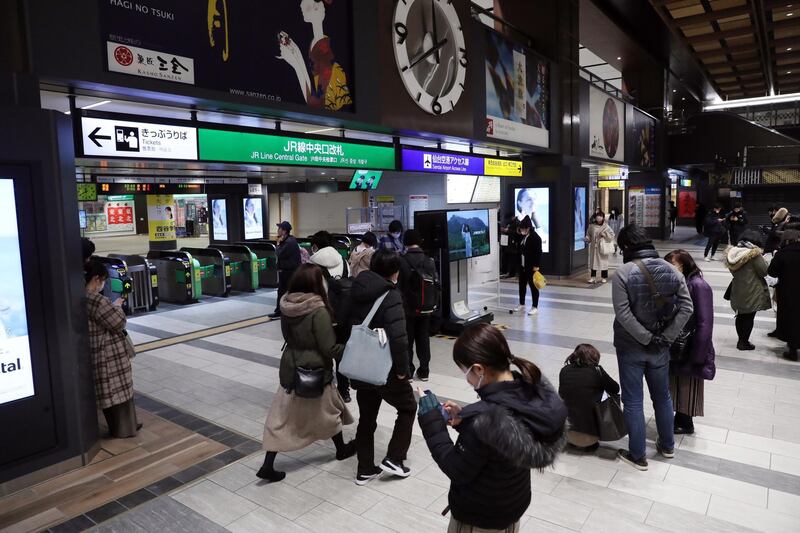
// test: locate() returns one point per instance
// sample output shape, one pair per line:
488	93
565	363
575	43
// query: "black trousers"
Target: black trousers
712	245
603	274
526	280
399	395
744	325
283	285
418	329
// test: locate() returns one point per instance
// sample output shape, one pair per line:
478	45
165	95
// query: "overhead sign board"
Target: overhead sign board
259	148
140	140
450	163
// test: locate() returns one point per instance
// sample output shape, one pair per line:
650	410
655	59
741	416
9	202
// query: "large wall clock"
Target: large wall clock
430	53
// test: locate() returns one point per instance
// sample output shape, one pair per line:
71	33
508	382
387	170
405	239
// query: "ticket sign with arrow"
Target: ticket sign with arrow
120	138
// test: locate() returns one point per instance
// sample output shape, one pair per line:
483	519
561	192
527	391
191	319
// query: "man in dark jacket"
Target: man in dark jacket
651	304
367	288
418	324
288	262
737	223
714	229
786	267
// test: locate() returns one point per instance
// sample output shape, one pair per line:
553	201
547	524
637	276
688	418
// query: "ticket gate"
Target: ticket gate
244	264
143	273
214	269
267	253
177	278
119	283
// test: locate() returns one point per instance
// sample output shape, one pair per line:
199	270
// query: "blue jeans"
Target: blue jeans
654	367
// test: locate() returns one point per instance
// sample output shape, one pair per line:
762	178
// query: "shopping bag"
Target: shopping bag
367	356
539	281
610	421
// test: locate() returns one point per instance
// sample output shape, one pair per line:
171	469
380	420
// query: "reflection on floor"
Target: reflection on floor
739	472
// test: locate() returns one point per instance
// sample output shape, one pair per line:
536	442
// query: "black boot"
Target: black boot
267	472
791	355
343	451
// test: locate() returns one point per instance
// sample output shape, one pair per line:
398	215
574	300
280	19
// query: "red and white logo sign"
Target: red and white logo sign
123	55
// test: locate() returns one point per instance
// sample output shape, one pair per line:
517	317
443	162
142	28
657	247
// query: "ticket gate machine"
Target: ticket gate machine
245	266
214	269
177	278
267	253
143	273
119	283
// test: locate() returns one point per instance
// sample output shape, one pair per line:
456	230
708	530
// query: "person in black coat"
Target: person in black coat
714	229
288	261
367	288
581	385
517	425
700	213
737	222
786	267
530	256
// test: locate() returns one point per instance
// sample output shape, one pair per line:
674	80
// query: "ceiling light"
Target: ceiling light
760	100
788	72
323	130
323	173
96	104
789	14
674	90
619	58
684	98
789	49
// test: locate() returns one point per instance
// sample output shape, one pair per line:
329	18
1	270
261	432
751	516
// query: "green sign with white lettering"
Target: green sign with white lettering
258	148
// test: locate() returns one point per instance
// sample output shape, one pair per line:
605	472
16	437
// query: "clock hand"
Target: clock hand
435	33
428	53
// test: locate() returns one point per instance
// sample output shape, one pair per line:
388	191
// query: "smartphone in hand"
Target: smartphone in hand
442	410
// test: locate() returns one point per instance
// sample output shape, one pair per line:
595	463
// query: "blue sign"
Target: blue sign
652	190
440	162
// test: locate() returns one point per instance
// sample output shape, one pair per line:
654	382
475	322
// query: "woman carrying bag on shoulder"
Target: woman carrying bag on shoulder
686	375
517	425
600	237
307	407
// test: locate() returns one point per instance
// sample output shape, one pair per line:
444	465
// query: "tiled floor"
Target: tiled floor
739	472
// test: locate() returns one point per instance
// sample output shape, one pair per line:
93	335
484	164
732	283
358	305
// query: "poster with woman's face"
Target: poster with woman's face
534	202
219	219
579	206
253	223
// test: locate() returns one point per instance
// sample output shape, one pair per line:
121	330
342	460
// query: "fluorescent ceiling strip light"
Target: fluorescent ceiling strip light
96	104
323	130
761	100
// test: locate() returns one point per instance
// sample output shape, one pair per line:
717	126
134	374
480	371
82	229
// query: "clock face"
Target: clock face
430	53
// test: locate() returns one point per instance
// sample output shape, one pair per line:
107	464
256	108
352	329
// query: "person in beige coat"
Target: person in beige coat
597	233
362	255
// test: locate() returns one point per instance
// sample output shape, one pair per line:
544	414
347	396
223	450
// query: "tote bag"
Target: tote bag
610	421
367	357
539	281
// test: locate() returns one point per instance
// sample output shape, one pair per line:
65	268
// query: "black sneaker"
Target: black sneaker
638	464
791	355
744	346
773	334
396	468
667	454
683	431
422	375
274	316
364	477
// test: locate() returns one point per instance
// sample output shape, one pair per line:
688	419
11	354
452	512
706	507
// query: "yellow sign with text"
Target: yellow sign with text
160	218
610	184
502	167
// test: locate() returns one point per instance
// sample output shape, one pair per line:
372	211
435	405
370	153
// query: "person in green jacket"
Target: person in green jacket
301	415
749	293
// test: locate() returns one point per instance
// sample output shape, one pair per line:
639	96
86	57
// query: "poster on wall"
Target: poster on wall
416	202
279	51
636	206
687	204
535	203
16	374
606	126
517	93
119	214
579	208
644	139
219	219
160	217
652	207
253	219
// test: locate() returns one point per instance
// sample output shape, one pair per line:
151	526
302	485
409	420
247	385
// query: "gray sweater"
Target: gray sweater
637	314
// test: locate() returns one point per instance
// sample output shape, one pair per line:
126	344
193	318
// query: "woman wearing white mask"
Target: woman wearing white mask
518	424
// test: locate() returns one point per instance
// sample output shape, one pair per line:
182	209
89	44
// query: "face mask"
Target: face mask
395	235
480	379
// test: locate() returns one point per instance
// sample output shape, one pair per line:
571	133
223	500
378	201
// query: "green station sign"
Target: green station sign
264	149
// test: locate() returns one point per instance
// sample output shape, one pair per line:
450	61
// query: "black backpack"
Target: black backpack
424	291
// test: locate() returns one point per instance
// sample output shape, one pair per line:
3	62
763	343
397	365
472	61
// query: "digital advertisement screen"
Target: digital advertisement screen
253	219
219	219
365	180
82	218
535	203
468	234
579	207
16	375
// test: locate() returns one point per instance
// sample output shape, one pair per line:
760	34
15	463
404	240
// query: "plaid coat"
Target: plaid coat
111	352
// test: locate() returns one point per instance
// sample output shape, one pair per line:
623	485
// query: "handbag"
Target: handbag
309	382
727	294
539	281
367	357
606	248
681	348
610	420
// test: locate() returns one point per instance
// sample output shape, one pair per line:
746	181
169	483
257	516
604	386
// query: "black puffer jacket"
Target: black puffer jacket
368	287
515	427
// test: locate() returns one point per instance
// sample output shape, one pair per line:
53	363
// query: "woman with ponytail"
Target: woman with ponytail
517	425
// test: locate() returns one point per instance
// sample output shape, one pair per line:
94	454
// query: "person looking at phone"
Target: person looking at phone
518	424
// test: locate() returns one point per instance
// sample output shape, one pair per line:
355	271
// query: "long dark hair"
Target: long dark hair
309	279
584	355
685	259
483	344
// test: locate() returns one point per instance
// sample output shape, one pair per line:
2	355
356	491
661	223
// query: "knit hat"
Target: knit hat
780	215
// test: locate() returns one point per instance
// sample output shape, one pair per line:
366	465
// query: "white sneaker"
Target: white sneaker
708	260
604	280
713	258
592	281
519	309
533	311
